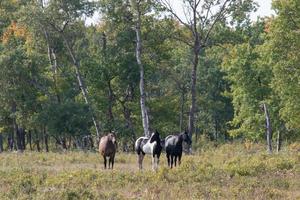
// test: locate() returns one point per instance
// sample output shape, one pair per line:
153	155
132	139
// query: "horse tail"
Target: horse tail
137	146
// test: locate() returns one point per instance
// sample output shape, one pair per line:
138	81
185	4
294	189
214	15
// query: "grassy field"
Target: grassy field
230	171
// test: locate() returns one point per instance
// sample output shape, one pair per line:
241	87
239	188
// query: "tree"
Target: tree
255	103
63	18
138	7
284	57
216	108
20	81
200	20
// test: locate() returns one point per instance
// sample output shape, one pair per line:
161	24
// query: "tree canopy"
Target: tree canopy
65	81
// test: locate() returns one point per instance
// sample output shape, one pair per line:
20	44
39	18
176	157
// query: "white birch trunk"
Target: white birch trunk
81	84
145	118
268	128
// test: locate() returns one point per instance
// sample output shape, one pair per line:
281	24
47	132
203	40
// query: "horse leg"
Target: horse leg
156	160
168	157
175	160
140	159
104	157
179	159
172	158
109	162
112	161
153	162
158	155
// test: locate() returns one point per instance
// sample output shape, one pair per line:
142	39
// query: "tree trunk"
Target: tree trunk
69	142
196	51
216	129
145	117
279	141
15	126
110	106
19	132
38	147
46	140
193	88
10	141
23	139
18	135
181	110
37	140
52	58
268	129
81	83
127	115
53	62
29	139
129	123
1	143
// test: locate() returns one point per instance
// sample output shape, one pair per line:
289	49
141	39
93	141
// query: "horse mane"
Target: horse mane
157	135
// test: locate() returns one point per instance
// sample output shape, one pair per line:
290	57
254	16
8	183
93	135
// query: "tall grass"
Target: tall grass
230	171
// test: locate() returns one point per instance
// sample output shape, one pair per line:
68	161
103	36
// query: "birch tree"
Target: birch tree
138	11
62	17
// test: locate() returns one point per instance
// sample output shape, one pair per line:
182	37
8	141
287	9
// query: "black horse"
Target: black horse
173	146
152	145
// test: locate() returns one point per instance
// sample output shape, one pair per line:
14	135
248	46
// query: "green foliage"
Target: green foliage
242	66
283	51
249	88
68	118
216	109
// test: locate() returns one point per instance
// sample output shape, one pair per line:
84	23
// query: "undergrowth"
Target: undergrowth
229	171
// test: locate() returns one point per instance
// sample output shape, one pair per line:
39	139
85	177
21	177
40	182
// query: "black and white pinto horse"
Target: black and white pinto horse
173	146
152	145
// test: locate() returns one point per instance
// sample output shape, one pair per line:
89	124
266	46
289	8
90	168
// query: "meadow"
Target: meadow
229	171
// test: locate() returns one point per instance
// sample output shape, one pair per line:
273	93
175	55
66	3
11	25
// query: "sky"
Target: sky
264	9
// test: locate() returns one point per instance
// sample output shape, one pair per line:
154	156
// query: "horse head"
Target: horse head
186	138
155	137
112	137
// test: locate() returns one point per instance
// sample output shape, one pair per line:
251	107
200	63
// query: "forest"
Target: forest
213	72
230	84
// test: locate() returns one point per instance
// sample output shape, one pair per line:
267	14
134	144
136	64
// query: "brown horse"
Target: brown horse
107	148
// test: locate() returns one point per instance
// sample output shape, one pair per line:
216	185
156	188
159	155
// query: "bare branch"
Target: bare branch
207	13
218	15
64	26
186	14
197	3
167	5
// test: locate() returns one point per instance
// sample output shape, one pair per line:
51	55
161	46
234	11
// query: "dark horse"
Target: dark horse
152	145
173	146
107	148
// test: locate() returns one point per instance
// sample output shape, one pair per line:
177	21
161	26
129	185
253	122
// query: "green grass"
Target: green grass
226	172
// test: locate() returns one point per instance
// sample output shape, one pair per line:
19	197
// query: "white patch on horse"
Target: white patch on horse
140	138
148	147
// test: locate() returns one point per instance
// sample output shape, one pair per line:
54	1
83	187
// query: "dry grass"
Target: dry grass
226	172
